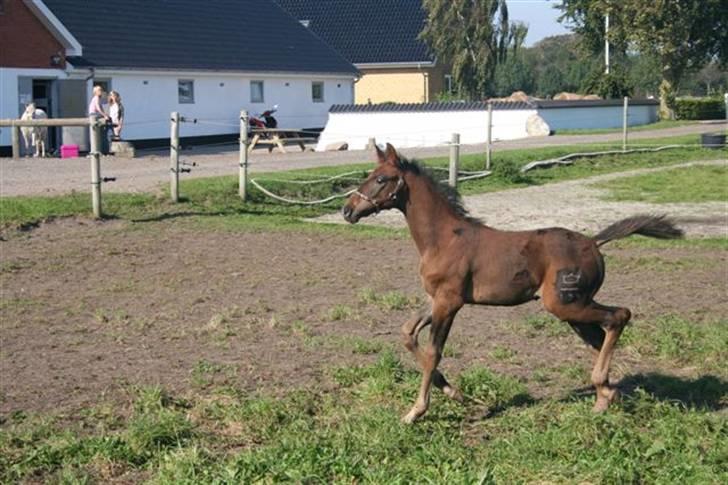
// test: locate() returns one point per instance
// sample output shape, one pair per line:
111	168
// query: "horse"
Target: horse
463	261
34	136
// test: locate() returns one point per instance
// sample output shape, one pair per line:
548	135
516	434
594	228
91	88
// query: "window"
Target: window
317	92
2	7
448	83
257	94
186	91
104	83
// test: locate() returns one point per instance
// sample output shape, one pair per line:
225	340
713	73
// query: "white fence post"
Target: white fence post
174	157
95	155
243	175
454	159
490	136
624	123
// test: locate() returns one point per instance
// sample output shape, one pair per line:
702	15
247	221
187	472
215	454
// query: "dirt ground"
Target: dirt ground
91	310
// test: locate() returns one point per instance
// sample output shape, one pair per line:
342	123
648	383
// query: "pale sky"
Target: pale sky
539	15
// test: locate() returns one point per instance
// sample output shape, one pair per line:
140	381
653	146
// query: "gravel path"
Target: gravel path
577	205
148	171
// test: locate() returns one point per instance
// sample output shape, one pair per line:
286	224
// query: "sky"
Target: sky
539	15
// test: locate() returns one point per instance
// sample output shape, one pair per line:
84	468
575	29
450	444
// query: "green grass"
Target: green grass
353	435
658	125
687	184
214	203
701	345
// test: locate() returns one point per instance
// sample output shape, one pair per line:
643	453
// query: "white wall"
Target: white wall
9	102
409	129
597	117
216	106
218	101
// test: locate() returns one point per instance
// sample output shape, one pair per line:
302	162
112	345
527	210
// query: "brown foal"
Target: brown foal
463	261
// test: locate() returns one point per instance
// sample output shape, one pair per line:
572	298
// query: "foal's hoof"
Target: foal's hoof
454	394
412	416
604	398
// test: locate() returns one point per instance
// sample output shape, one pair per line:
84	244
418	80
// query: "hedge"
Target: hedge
699	108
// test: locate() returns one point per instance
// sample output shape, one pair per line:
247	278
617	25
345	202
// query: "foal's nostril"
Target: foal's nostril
347	211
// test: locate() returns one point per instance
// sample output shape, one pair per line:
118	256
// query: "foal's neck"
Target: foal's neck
429	216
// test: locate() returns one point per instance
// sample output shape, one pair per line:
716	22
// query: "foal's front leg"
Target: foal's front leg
410	335
443	313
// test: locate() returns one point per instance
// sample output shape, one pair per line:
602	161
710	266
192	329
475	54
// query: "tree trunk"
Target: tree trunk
667	99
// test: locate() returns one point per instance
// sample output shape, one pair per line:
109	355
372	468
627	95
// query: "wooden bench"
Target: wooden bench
276	137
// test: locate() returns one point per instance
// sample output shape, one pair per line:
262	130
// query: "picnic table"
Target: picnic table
278	137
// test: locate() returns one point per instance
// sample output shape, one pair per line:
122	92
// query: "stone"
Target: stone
536	126
123	149
337	147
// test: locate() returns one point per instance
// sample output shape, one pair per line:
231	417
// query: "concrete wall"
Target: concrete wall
431	128
421	129
597	117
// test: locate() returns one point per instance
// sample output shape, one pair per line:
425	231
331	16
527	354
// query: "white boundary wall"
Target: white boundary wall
409	129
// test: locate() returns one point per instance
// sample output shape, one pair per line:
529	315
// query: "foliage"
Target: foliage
699	108
472	36
608	86
683	35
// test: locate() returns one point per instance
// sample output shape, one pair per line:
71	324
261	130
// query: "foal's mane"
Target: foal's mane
451	196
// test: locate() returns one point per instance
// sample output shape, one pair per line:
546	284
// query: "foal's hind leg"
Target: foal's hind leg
600	326
410	334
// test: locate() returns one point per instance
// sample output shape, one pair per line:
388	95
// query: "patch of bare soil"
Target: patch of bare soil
90	311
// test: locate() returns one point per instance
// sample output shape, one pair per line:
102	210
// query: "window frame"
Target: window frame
262	91
313	94
191	98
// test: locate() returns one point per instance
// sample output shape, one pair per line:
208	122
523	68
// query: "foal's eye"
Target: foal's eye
380	179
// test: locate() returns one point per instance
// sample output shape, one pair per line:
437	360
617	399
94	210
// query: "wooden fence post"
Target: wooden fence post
15	140
243	158
371	143
95	155
174	157
454	159
490	136
624	124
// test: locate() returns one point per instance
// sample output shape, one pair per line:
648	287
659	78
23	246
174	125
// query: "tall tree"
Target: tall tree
472	36
683	35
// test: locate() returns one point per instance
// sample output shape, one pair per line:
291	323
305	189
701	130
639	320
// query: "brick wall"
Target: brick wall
25	41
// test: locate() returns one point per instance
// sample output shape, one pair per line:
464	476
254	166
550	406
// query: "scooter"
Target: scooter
265	119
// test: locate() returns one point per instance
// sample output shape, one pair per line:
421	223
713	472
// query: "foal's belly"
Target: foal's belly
507	290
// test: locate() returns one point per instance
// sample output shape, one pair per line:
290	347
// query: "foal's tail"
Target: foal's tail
650	226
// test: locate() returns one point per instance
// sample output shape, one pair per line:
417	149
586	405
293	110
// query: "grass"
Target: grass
687	184
701	345
353	434
213	202
658	125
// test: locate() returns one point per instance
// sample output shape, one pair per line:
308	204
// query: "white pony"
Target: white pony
34	136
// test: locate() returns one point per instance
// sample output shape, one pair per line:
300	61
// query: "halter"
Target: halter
392	195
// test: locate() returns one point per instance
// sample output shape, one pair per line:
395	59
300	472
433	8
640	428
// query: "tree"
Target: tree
683	35
472	36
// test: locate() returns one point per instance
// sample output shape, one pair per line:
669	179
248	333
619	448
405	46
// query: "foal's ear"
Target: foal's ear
381	156
389	155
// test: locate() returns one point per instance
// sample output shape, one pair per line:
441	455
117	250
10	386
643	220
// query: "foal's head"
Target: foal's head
383	189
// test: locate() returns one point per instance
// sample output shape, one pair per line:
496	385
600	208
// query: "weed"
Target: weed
339	312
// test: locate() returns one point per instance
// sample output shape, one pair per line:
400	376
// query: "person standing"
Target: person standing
95	108
116	113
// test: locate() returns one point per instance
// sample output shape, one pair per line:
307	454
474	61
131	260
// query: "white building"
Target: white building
206	60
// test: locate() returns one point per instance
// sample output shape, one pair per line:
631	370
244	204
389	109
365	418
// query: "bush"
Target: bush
699	108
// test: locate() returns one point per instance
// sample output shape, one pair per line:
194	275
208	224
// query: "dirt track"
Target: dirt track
91	310
577	205
146	173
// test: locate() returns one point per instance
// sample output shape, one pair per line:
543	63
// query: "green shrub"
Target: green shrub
699	108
